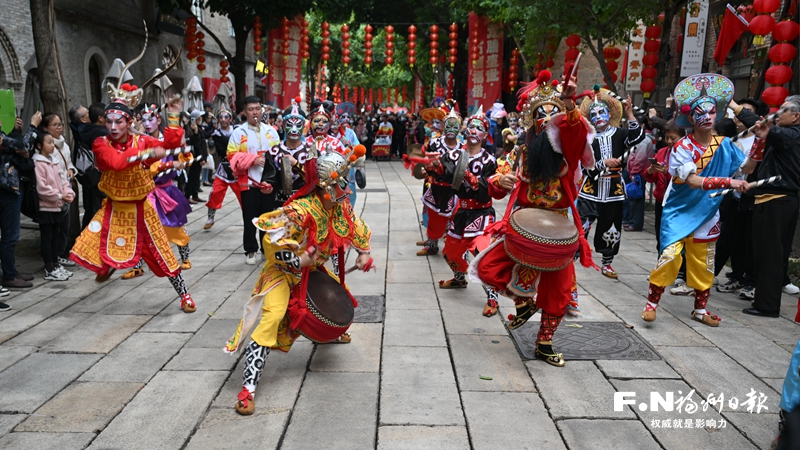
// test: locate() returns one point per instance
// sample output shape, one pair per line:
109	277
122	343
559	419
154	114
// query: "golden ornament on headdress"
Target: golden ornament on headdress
603	95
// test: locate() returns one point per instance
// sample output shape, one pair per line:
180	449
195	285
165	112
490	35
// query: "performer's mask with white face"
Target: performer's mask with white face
150	122
512	122
704	113
320	125
436	124
117	126
599	116
476	131
293	127
451	128
543	115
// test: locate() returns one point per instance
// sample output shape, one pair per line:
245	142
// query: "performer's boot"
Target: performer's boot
607	270
136	271
255	356
544	341
431	248
491	303
700	313
526	308
653	297
184	252
187	303
458	281
210	220
104	275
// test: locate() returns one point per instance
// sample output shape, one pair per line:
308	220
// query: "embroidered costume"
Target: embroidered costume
690	221
603	190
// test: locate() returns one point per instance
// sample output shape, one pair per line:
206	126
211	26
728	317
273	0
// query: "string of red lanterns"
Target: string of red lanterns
412	45
257	35
190	37
611	54
223	71
650	59
304	39
345	45
368	45
450	83
434	44
781	54
201	52
389	45
453	45
513	70
326	43
572	41
285	43
763	23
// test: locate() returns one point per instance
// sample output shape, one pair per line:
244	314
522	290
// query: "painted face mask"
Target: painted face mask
341	190
117	126
476	131
512	122
451	128
704	114
150	122
599	116
436	124
293	127
543	115
320	125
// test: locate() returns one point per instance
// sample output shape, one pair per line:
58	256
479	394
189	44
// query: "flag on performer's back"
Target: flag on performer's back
732	27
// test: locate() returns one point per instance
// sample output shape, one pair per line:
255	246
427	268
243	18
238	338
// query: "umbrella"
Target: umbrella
32	101
193	95
157	92
113	76
223	98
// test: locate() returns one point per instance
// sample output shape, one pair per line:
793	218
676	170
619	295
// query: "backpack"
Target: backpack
634	189
84	162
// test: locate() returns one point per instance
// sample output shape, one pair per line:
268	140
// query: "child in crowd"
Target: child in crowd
55	195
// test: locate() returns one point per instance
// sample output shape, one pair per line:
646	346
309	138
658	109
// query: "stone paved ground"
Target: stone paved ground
118	365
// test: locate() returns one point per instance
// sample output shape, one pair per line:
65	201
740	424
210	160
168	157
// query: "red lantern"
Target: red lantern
326	41
761	26
389	52
412	52
368	45
647	86
611	54
786	30
652	32
453	44
650	60
778	75
345	44
434	45
573	40
257	34
513	70
652	45
774	96
304	39
782	53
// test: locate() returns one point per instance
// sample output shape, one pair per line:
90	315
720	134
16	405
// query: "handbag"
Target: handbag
634	188
9	176
30	197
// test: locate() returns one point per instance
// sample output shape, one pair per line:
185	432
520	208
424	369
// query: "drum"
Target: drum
541	239
460	170
330	307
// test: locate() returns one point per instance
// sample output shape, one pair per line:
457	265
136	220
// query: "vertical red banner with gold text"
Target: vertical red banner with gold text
283	83
485	75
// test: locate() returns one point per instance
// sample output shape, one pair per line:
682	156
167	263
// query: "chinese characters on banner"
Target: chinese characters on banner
633	74
419	94
694	40
283	82
485	76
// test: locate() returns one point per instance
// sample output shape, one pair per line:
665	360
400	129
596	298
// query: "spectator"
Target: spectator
55	195
196	135
638	164
92	195
54	126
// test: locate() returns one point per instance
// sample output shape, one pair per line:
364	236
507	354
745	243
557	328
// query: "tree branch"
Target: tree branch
216	39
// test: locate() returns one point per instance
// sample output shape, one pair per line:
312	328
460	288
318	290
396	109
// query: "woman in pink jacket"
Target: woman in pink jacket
55	195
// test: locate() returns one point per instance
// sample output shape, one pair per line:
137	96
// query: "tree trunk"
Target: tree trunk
238	68
51	88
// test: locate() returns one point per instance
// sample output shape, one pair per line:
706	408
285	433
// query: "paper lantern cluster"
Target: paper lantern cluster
412	45
611	55
368	45
434	52
571	55
650	59
345	45
453	45
781	54
223	71
304	40
389	52
513	70
257	35
195	45
326	43
763	23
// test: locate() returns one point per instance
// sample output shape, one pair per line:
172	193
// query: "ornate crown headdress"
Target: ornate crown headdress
705	86
539	92
333	167
295	110
453	114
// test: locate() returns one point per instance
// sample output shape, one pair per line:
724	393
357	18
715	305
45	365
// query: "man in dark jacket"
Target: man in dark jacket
197	134
92	196
776	205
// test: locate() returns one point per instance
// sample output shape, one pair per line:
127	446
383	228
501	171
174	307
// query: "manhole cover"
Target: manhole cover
594	340
370	309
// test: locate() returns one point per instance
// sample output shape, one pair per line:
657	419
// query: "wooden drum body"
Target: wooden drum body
541	239
330	308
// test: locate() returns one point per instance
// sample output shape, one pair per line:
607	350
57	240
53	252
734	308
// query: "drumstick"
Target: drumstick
621	162
146	155
367	267
744	133
753	184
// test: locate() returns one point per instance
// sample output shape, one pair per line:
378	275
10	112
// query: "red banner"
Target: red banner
283	82
485	76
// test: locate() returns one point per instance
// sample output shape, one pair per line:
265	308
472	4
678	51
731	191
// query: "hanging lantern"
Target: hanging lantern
337	93
611	54
453	45
763	23
396	94
513	70
572	41
475	48
361	95
650	59
370	97
190	36
223	71
345	45
781	54
326	43
434	51
285	32
389	45
368	45
201	52
412	45
304	40
257	35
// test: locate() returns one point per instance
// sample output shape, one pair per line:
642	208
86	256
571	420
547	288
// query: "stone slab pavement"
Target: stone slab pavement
118	365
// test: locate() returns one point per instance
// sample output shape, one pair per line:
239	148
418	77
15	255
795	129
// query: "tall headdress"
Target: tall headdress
602	96
480	115
294	110
429	114
696	89
125	96
453	114
540	93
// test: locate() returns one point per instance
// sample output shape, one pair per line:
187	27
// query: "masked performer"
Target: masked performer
439	198
513	134
435	119
320	138
315	224
252	164
557	143
296	150
475	213
127	227
698	163
223	179
168	200
603	190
